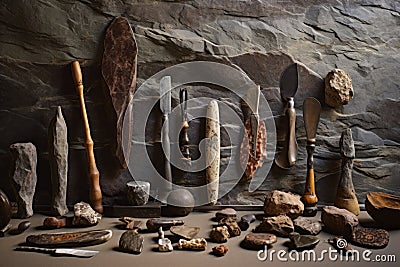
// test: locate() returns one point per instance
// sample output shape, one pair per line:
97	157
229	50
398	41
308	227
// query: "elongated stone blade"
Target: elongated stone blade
119	68
58	158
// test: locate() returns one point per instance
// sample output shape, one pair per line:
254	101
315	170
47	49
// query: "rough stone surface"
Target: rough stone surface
24	178
232	225
303	241
220	250
256	241
84	215
41	38
58	160
338	88
307	226
219	234
225	213
119	72
280	225
335	220
193	244
369	237
282	203
346	196
138	193
131	241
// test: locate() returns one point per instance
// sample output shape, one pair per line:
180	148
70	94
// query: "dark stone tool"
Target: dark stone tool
345	196
119	71
311	113
288	85
70	239
155	224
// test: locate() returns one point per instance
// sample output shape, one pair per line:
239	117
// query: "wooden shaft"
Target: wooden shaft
94	183
309	197
184	140
167	151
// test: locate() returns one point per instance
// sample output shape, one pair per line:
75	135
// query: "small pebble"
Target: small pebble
220	250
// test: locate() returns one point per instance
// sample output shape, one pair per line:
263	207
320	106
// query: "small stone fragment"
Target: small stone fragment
138	192
219	234
58	159
23	226
368	237
24	161
335	219
54	222
225	213
303	241
184	231
220	250
130	223
245	221
257	241
338	88
84	215
233	227
166	224
131	241
193	244
282	203
280	225
306	226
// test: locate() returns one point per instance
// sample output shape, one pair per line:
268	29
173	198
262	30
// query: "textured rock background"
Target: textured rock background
38	40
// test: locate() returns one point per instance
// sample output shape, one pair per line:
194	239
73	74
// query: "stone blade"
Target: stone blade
119	68
186	232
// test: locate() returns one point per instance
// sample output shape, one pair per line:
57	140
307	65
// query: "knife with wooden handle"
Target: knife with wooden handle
165	106
212	151
95	190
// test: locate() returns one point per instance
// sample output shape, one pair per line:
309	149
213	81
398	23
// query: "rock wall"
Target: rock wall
39	39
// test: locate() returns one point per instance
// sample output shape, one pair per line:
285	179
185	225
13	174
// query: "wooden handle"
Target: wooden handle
309	197
167	151
94	183
291	137
184	140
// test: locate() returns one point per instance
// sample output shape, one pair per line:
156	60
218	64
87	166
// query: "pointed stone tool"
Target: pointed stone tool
184	231
345	196
58	158
119	71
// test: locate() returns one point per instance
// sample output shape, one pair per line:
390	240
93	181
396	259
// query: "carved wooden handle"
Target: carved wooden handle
167	150
291	137
94	184
309	197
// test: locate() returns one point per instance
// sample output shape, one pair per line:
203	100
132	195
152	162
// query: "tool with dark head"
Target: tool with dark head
165	106
311	113
288	85
184	137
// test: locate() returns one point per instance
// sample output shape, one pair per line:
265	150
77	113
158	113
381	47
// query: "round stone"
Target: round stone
225	213
185	203
257	241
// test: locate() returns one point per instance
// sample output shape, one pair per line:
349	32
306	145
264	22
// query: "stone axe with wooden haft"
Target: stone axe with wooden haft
346	196
94	183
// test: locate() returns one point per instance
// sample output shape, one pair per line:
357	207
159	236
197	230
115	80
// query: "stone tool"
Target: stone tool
288	85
